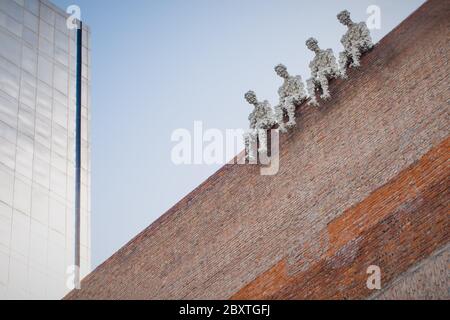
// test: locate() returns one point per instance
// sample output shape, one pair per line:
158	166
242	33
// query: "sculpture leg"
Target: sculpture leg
247	145
356	55
290	109
324	84
343	61
262	136
311	88
279	112
250	145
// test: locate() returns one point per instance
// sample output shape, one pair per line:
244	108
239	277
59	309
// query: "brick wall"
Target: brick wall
363	180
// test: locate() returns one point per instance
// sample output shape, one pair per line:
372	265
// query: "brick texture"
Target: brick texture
428	280
363	180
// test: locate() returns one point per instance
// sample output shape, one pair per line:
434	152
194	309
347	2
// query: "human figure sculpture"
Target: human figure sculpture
356	41
261	119
291	93
323	68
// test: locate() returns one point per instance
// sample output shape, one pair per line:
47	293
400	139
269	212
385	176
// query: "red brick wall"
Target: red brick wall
363	180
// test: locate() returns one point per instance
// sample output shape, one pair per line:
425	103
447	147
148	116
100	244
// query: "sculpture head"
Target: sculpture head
344	18
281	70
313	44
250	96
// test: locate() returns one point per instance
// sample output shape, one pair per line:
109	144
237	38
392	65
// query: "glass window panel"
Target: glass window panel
57	215
73	33
10	24
60	23
84	196
59	97
71	122
5	224
41	172
6	185
84	99
39	204
84	112
59	162
58	182
46	47
61	78
9	108
7	132
71	149
30	20
59	140
28	78
28	94
20	235
84	177
61	57
43	130
7	153
84	238
44	104
73	65
42	152
4	268
46	31
47	14
62	41
22	196
45	88
70	190
56	262
24	163
38	244
13	9
10	67
9	83
25	142
32	6
84	55
30	37
60	114
37	280
85	37
26	120
10	48
84	72
17	268
72	87
29	60
84	128
45	70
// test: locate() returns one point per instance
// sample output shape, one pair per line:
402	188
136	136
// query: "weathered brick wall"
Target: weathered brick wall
363	180
427	280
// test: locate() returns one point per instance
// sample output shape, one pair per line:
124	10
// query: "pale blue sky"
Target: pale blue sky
161	65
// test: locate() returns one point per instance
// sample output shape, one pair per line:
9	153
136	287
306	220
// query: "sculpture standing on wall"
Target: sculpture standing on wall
356	41
323	68
261	119
291	93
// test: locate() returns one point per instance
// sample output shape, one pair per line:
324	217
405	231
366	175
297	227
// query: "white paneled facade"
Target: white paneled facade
37	150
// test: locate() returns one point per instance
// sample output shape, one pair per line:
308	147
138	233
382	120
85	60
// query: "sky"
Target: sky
158	66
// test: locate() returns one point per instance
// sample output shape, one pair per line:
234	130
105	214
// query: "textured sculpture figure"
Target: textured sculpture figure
323	68
356	41
261	119
291	93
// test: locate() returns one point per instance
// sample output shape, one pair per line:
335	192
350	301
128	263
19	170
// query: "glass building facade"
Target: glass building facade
37	150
